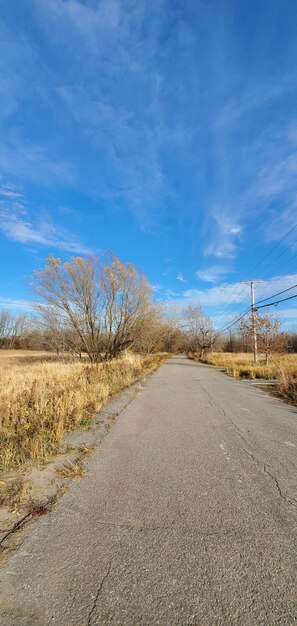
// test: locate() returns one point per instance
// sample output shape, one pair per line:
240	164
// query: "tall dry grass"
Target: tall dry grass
42	399
282	367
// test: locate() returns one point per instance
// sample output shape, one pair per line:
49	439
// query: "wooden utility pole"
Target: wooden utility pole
252	284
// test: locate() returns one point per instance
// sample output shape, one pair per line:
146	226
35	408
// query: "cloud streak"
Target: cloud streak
17	225
217	295
226	233
11	303
253	99
212	274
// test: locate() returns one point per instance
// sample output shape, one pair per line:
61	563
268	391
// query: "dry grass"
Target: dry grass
71	470
282	367
9	358
13	492
41	399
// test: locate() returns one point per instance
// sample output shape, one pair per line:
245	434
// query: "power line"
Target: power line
240	316
274	248
246	311
258	264
276	294
285	263
263	306
281	254
231	294
273	272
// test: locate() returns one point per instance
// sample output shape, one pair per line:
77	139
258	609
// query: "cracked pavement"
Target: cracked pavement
186	516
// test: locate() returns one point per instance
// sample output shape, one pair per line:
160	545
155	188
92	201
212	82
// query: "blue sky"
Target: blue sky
165	131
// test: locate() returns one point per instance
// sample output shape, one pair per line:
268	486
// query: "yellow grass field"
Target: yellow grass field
42	397
282	367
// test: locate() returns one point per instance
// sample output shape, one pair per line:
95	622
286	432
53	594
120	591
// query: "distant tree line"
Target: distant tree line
100	307
271	338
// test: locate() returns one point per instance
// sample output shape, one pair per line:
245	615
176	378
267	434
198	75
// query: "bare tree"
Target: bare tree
56	333
5	321
244	341
103	304
199	330
12	328
126	306
270	338
72	291
291	337
172	333
148	337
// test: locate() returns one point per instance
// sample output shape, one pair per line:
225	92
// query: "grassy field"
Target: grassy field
42	397
282	367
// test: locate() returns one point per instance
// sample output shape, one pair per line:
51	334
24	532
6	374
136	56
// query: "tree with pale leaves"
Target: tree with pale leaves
270	338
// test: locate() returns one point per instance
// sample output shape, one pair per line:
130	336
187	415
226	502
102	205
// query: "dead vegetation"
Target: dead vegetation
41	400
71	470
13	492
281	367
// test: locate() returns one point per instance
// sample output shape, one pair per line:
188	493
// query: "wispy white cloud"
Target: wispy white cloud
273	191
28	161
156	287
281	223
170	294
226	231
254	156
10	192
18	225
43	233
212	274
117	103
133	151
217	295
253	99
181	278
88	20
278	176
11	303
17	63
125	119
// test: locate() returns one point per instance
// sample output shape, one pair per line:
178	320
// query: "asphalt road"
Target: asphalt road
185	517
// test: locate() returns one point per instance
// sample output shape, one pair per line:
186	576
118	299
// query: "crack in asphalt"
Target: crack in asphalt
15	527
276	482
89	622
142	528
209	397
262	465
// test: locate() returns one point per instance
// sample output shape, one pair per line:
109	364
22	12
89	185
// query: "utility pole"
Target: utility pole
252	284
